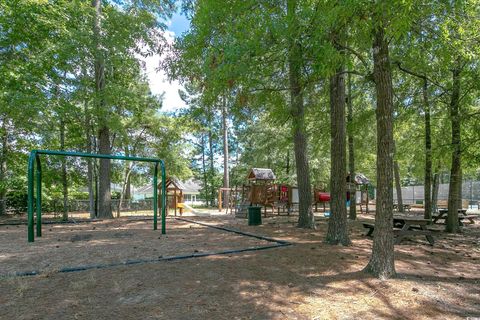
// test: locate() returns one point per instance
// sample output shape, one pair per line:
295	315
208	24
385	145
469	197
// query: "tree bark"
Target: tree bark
306	218
128	172
226	177
212	167
104	192
382	261
351	153
88	149
428	154
435	187
64	170
337	232
398	186
204	169
455	186
3	166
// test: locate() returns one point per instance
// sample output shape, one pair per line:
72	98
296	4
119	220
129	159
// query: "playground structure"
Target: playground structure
34	161
174	196
260	190
359	183
322	197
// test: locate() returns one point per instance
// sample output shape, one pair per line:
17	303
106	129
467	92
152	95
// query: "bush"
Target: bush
17	201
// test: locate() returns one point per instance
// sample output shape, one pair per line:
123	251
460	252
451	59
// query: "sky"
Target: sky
157	79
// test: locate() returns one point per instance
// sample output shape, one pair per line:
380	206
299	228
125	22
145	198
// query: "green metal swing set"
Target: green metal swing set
34	160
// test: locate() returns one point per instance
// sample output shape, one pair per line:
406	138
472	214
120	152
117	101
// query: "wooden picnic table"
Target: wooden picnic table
406	226
442	214
406	207
411	226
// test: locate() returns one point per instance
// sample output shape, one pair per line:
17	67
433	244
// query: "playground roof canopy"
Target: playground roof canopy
261	174
361	179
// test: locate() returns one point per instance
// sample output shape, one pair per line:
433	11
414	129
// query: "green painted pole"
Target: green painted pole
34	157
155	196
39	196
164	196
31	168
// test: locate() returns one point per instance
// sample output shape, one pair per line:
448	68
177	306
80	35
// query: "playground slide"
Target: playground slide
190	208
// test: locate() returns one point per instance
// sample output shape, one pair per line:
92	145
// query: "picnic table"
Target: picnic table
442	214
406	226
406	207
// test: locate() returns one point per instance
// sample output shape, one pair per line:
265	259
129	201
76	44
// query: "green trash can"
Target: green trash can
254	216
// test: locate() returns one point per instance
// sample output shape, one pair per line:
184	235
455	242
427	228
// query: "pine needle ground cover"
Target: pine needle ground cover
306	280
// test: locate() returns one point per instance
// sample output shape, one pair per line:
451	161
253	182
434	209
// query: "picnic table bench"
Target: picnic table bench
442	214
406	226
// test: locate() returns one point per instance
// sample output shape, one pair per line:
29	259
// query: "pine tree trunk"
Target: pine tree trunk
435	187
351	153
382	261
398	186
428	154
64	171
104	192
455	186
90	180
337	232
204	170
287	165
306	218
212	167
226	177
3	166
128	188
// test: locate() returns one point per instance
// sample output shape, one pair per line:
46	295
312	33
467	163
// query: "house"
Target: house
190	188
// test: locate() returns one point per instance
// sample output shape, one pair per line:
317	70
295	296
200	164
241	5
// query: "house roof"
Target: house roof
189	186
261	174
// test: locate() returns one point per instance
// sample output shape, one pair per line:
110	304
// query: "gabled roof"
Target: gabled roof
261	174
360	179
189	186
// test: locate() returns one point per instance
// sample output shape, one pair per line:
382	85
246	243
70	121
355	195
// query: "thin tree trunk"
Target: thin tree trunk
104	192
3	166
287	166
128	172
128	188
337	232
212	167
351	153
398	186
382	261
204	170
64	170
435	187
90	180
306	218
455	186
428	154
226	178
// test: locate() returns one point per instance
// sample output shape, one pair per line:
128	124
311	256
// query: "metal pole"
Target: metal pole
164	195
39	196
155	203
31	168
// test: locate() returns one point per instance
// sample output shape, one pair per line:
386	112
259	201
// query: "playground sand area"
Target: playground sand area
307	280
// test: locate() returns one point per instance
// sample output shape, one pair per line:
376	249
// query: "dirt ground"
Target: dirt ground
307	280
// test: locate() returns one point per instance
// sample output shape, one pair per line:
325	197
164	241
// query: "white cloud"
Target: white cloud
159	83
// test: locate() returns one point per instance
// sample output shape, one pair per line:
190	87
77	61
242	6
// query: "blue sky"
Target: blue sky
179	24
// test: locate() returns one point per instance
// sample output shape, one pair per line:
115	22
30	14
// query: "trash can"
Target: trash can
254	216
